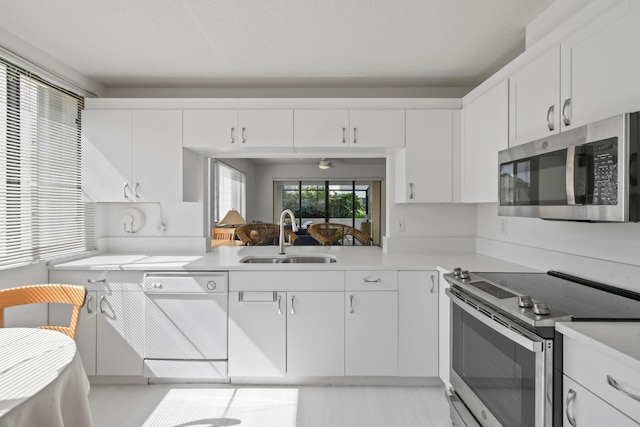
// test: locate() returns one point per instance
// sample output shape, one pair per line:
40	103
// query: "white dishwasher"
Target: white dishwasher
186	325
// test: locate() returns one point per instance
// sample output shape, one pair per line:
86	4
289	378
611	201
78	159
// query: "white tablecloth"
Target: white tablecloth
42	380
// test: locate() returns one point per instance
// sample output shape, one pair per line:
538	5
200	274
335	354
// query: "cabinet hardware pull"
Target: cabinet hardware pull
126	184
571	396
550	118
411	190
88	302
350	303
613	383
97	281
242	137
137	194
101	301
279	306
433	283
565	117
233	138
355	138
365	280
344	135
293	309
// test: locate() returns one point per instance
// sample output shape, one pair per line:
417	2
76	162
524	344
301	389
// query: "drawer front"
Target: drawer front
284	281
99	280
585	409
596	370
367	280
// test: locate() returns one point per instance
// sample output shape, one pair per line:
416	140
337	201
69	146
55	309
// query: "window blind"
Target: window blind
42	211
230	185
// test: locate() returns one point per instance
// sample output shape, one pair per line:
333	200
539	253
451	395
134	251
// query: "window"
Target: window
230	191
42	211
354	203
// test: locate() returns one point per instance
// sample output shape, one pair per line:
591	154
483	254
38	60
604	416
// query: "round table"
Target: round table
42	380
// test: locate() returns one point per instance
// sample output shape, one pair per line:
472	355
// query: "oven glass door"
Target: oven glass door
501	373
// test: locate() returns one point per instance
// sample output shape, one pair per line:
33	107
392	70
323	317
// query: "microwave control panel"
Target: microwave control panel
605	172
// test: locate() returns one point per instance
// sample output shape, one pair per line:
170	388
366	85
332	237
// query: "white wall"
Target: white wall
606	252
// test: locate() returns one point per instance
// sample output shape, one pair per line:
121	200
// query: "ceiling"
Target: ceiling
276	43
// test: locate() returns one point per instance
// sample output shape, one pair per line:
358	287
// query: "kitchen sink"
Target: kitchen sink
289	259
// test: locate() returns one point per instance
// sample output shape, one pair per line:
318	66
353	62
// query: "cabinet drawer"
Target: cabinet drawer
595	370
366	280
284	281
99	280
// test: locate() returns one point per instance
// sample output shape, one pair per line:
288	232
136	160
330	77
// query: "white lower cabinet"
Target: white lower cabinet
315	334
584	409
418	323
257	334
371	333
111	335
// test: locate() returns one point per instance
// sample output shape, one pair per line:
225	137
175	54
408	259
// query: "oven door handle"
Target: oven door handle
517	337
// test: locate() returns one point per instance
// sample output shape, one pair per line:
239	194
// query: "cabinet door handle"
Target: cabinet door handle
293	308
365	280
242	137
565	116
411	190
126	184
355	138
571	397
550	118
344	135
233	138
613	383
433	283
101	307
137	193
350	303
279	304
97	281
87	302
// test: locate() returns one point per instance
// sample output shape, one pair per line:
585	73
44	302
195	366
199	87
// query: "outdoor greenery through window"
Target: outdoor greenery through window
354	203
42	211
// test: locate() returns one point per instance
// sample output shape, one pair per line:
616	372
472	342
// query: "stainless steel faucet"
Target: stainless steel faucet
294	227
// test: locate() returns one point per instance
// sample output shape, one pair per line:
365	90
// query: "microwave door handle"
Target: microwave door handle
517	337
570	175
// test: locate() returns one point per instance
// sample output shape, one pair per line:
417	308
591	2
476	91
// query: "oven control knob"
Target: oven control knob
541	308
211	285
464	275
525	301
457	271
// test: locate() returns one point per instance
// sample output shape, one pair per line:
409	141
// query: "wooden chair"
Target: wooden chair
35	294
262	234
224	233
328	233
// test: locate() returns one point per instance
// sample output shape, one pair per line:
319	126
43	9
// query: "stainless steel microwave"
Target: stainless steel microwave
589	173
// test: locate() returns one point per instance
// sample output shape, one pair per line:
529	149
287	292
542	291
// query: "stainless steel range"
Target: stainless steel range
506	358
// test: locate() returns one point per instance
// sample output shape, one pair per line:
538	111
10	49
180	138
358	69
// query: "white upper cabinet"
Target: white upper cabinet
132	155
204	129
485	132
534	99
337	128
321	128
266	128
600	67
423	170
237	129
376	128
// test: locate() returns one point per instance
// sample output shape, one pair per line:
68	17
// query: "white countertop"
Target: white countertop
348	258
618	339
